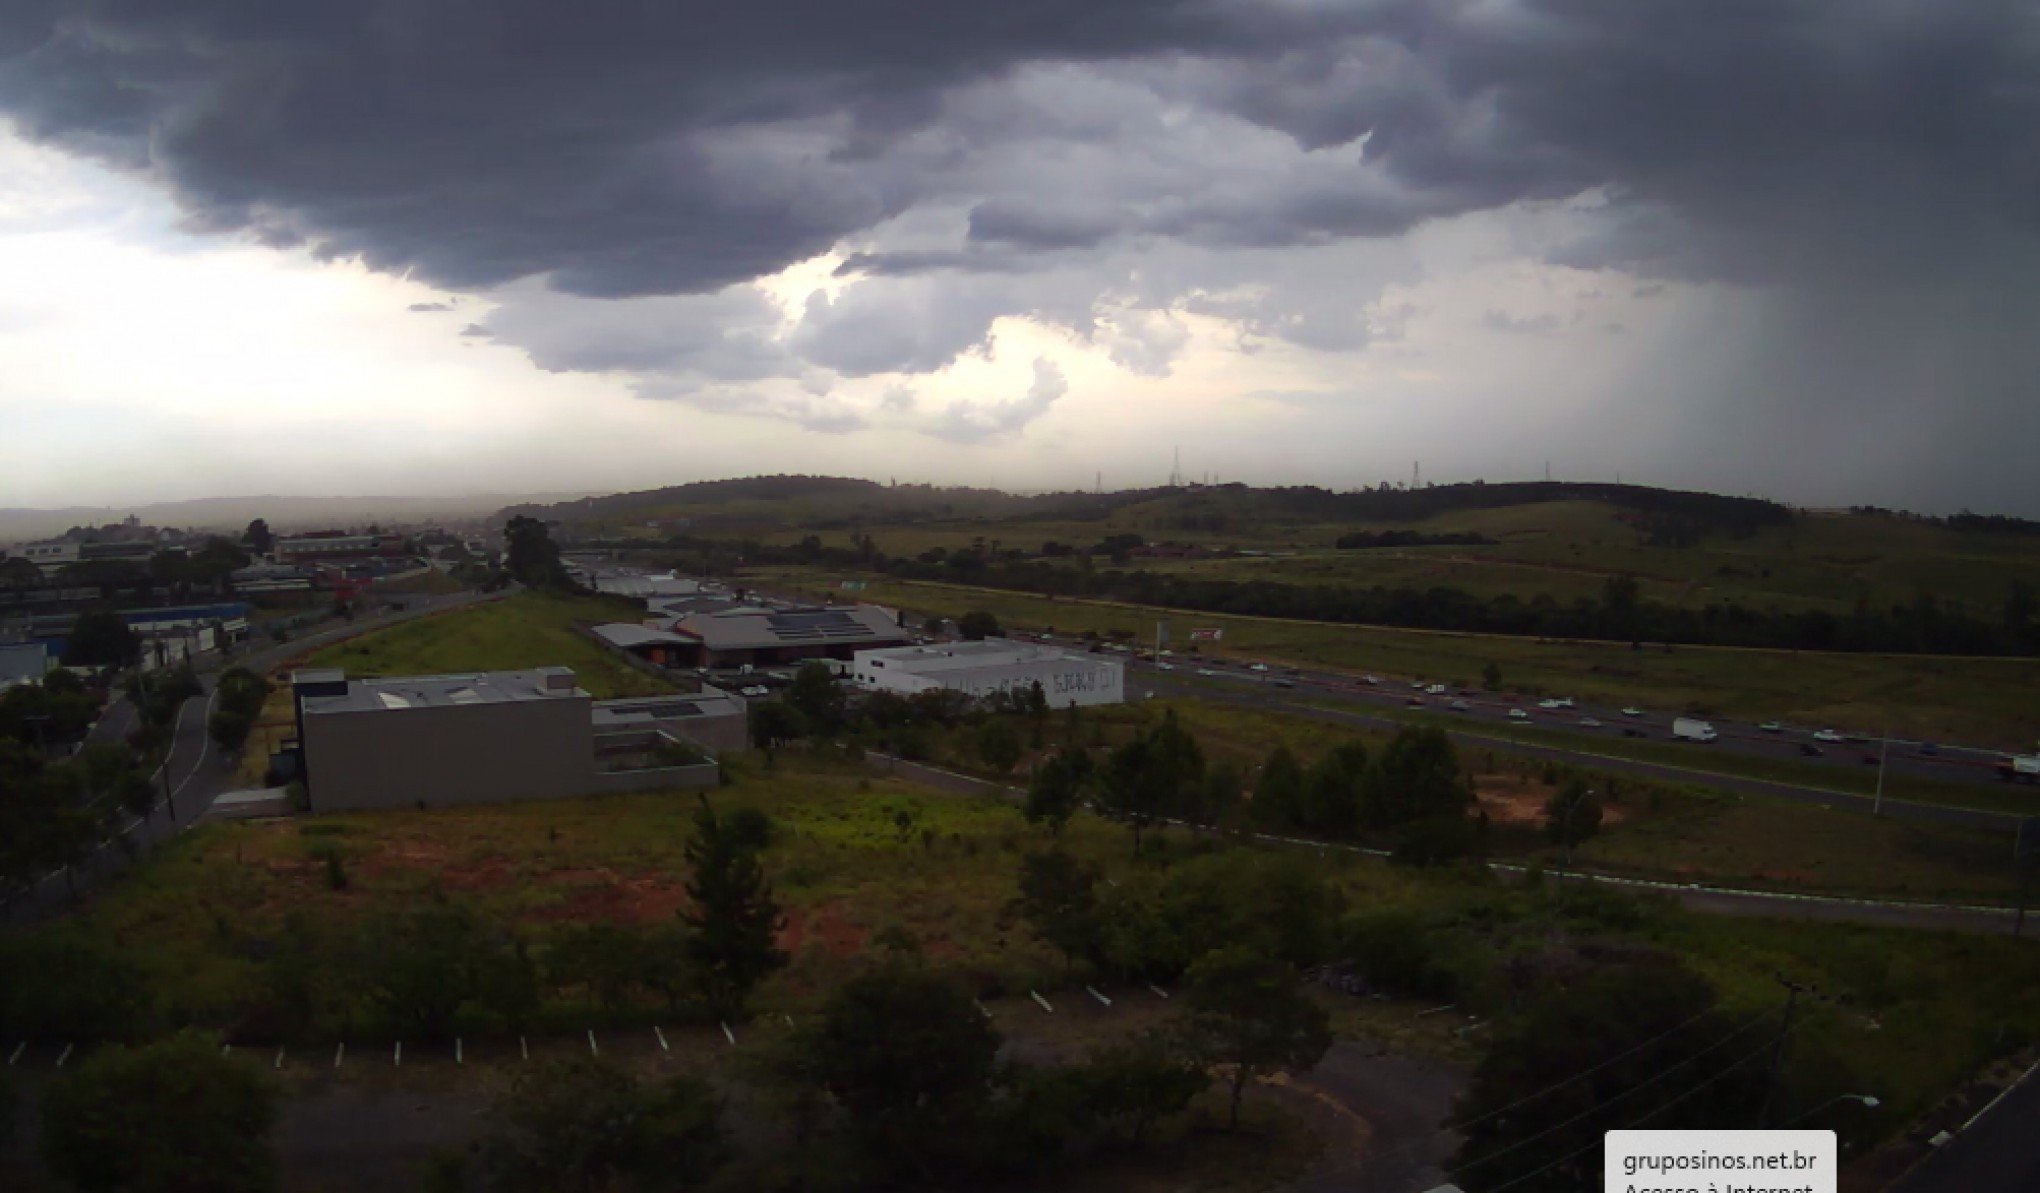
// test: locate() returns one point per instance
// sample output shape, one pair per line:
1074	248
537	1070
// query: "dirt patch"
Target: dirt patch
824	927
604	895
1509	800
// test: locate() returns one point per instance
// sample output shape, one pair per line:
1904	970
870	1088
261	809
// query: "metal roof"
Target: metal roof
624	635
740	629
398	693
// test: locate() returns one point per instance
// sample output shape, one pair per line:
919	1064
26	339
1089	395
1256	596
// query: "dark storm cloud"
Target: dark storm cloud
629	150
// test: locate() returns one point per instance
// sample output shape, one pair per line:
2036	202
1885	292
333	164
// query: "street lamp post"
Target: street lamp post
1868	1101
1883	751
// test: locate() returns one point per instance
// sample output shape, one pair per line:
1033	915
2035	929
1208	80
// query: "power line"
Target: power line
1553	1088
1646	1083
1632	1124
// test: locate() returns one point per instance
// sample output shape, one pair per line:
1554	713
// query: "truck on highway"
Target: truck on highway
1693	729
2020	768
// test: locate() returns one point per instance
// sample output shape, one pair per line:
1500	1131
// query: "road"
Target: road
1489	726
1995	1151
193	773
1942	762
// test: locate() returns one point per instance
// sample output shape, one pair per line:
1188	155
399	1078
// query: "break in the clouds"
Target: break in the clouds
990	224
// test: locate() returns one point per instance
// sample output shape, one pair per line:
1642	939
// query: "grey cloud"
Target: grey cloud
1531	325
984	422
476	331
430	306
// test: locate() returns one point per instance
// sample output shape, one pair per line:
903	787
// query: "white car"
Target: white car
1459	706
1205	671
1436	689
1826	735
1258	667
1517	714
1165	666
1565	702
1548	705
755	690
1589	723
1369	679
1632	712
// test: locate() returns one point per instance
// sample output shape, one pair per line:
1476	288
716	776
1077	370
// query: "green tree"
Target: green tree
998	744
174	1117
906	1055
425	967
1333	791
102	638
592	1125
1278	793
1589	1045
1154	775
258	538
977	625
1249	1012
1491	677
530	555
1128	1085
732	920
1620	604
773	724
816	696
1416	777
1059	900
1572	815
1057	788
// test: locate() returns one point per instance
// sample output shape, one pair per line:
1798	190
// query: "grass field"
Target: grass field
855	855
528	629
1974	701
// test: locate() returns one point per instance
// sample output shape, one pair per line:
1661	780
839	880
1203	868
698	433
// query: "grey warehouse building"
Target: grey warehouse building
993	665
491	737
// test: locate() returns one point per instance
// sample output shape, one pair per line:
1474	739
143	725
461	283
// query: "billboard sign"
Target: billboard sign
1207	635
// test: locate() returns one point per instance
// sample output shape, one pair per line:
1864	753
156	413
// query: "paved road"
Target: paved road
193	772
1289	700
1995	1152
1946	763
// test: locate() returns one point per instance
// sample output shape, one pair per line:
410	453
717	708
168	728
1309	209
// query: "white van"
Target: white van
1691	729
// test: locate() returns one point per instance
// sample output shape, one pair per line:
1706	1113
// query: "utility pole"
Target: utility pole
1883	751
1792	992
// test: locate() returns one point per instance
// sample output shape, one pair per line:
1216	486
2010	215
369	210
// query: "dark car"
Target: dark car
1283	683
1632	732
1809	749
1929	750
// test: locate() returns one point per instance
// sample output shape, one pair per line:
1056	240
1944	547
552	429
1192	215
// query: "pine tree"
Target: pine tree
732	920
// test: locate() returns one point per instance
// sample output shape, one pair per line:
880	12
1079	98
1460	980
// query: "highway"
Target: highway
1489	724
193	773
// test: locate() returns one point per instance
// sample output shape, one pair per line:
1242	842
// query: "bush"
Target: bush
172	1117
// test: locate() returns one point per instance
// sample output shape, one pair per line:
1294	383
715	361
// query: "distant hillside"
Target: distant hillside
234	513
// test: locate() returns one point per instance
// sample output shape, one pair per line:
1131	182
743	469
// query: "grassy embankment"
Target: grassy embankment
1974	701
856	855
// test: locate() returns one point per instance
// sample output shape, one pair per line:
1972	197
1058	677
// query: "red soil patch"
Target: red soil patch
609	896
1510	800
823	927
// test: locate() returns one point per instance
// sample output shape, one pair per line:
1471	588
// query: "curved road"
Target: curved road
193	774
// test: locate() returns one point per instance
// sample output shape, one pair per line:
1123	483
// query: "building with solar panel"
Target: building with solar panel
993	665
773	637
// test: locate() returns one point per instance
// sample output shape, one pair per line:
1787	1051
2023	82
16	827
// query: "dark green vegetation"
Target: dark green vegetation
173	1117
241	694
590	1124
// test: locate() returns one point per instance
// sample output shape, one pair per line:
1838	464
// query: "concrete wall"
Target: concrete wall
459	754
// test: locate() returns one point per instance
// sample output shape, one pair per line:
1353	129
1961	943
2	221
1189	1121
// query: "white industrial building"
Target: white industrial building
993	665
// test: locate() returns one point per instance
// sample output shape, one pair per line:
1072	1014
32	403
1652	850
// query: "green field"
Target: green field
528	629
856	855
1973	701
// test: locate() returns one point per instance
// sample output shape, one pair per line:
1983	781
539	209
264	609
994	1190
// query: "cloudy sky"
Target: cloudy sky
444	246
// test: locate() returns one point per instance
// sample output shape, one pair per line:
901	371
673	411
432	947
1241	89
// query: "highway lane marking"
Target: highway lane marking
2004	1093
204	745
